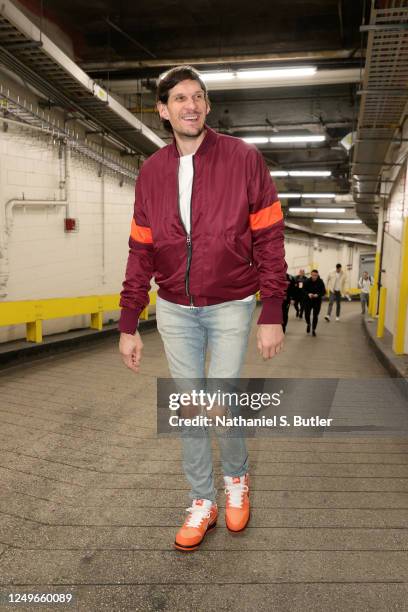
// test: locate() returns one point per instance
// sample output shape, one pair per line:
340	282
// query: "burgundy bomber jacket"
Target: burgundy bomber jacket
236	246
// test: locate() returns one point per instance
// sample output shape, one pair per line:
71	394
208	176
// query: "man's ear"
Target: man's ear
163	112
208	108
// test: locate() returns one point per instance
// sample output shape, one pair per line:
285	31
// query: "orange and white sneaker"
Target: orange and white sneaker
202	518
237	506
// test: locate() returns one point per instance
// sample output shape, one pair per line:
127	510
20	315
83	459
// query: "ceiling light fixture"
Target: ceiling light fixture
284	139
296	209
305	138
316	210
312	196
309	173
217	76
328	196
345	221
256	139
301	173
277	73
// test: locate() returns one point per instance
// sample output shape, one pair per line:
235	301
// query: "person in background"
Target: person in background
299	294
291	294
336	286
314	291
365	283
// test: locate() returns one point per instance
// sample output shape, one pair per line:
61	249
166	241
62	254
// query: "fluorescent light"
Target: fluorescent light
327	196
256	139
319	195
287	139
277	73
345	221
316	210
265	73
330	210
309	173
300	173
217	76
296	209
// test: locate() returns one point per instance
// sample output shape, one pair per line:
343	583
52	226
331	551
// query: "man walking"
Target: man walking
300	280
336	286
289	299
208	225
314	290
365	284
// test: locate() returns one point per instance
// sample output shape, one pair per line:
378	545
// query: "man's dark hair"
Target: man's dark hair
338	266
169	79
317	271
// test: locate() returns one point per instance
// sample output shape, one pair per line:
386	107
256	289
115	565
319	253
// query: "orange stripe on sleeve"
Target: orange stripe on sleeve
141	234
266	216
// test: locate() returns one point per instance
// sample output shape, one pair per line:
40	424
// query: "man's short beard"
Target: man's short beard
201	130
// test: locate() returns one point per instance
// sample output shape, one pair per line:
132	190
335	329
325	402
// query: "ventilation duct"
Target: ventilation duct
384	96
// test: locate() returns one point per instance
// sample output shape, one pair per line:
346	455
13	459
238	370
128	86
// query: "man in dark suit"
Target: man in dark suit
314	290
300	280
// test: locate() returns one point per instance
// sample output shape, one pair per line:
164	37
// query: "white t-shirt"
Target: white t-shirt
185	180
337	282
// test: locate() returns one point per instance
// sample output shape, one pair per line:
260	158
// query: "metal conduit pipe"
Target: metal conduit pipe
6	233
384	96
65	173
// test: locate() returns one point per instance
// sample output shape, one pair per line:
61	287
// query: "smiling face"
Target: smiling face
186	109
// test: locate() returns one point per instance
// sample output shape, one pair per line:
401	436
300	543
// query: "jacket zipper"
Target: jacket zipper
189	242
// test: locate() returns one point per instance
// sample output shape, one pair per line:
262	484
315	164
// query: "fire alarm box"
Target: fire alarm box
71	224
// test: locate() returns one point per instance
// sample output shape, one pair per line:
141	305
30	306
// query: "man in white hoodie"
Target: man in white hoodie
337	287
365	284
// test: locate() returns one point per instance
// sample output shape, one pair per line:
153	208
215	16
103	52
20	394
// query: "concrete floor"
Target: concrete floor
91	498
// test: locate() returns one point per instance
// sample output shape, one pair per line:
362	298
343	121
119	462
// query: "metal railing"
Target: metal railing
33	312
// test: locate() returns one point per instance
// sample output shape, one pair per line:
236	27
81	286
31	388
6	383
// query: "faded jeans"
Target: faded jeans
335	296
186	334
364	301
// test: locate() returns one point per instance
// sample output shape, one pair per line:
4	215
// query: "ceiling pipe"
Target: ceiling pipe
384	95
296	56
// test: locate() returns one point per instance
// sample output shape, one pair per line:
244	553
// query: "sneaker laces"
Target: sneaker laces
235	494
197	515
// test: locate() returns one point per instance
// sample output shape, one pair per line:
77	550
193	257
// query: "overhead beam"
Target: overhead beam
296	56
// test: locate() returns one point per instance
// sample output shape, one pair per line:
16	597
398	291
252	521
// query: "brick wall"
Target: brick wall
44	261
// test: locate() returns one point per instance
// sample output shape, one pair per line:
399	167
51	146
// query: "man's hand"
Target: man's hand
130	348
270	340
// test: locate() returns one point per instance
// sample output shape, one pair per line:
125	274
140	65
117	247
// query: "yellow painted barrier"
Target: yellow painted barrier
33	312
381	312
374	290
399	335
371	300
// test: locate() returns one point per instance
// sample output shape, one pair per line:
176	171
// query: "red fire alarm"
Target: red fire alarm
70	224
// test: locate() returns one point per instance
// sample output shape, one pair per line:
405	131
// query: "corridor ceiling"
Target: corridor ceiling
126	45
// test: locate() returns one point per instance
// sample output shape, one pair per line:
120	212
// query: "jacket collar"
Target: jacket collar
209	140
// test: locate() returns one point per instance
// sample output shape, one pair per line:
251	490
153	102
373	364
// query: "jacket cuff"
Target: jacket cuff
271	311
128	320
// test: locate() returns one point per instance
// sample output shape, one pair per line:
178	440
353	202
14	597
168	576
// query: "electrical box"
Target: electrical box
71	225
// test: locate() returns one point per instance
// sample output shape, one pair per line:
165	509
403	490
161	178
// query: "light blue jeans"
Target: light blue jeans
187	334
